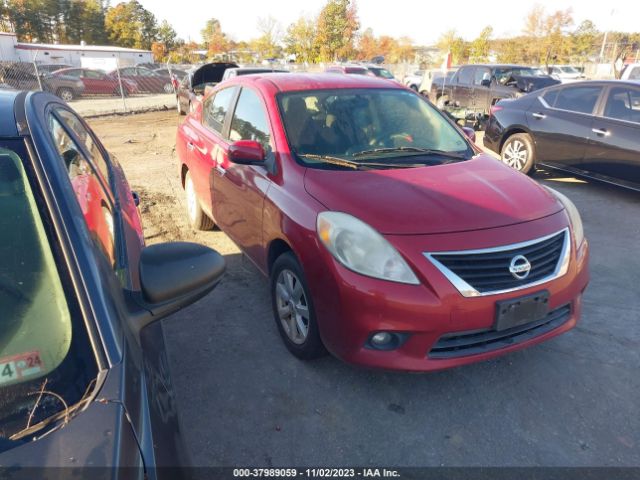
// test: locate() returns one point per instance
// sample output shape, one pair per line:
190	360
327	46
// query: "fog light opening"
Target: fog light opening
386	340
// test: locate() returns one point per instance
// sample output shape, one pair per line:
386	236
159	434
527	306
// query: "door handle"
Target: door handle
191	146
220	170
539	116
602	131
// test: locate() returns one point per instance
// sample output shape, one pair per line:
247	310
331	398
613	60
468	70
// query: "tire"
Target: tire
196	216
441	101
300	335
180	111
167	88
65	94
116	92
413	87
518	152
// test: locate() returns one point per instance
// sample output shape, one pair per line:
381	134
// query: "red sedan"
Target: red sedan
97	82
388	238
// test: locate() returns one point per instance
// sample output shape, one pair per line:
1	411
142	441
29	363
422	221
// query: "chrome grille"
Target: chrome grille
486	272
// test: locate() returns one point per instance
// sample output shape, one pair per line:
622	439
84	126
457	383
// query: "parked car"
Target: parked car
565	73
192	87
381	72
590	129
349	69
50	68
384	231
85	377
24	78
178	73
631	72
237	71
475	88
98	82
147	80
413	79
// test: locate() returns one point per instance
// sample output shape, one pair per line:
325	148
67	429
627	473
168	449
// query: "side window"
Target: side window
73	73
216	108
128	71
74	123
634	74
578	99
480	75
623	104
96	207
92	74
249	120
465	76
550	97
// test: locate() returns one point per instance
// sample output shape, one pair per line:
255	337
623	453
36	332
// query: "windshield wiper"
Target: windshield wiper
409	151
343	162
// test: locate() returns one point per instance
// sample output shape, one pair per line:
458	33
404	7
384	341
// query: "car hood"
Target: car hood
472	195
210	73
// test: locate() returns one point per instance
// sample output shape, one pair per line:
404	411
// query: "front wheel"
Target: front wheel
518	153
441	101
168	88
197	218
293	309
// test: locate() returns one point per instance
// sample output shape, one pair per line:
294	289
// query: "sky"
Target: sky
421	20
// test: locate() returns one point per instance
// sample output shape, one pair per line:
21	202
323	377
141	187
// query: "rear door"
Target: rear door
560	121
481	89
614	144
96	82
239	190
462	89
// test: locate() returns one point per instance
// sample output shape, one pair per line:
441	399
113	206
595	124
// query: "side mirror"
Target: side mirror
470	133
246	152
172	276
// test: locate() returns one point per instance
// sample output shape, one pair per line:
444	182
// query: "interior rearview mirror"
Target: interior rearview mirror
247	152
172	276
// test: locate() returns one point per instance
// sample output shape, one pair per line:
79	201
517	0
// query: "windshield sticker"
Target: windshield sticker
19	367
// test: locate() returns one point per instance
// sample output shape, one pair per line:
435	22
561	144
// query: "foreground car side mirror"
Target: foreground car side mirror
470	133
247	152
172	276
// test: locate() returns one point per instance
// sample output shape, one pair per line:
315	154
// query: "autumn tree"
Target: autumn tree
215	41
267	44
337	29
584	40
300	40
167	35
480	47
131	25
450	41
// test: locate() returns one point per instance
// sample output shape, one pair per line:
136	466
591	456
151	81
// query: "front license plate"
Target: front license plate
512	313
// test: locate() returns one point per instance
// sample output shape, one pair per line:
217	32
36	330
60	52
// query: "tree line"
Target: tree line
334	34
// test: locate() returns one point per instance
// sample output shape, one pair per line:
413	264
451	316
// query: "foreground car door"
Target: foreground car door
613	149
560	121
239	190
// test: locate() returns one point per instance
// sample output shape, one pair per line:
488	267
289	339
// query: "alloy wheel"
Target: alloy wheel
292	305
516	155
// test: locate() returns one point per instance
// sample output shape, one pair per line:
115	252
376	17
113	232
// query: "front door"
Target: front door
239	190
613	145
560	121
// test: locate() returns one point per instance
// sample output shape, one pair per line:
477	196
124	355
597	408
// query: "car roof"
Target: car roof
288	82
599	83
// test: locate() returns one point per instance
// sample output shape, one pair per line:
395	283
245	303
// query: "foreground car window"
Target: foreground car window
38	347
348	122
250	120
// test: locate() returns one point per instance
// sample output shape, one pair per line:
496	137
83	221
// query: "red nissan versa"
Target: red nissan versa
389	239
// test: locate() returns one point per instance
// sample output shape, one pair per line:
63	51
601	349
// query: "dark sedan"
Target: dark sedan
586	128
84	379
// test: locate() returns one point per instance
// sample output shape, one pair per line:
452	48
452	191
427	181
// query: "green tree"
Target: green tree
337	28
584	41
450	41
267	44
167	35
215	41
131	25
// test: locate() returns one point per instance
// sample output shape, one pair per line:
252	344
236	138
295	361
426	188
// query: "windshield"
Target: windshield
382	72
569	69
45	364
504	75
388	125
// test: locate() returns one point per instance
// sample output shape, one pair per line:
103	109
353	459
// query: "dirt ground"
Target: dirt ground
144	144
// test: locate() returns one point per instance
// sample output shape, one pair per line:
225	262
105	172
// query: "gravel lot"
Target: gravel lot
245	401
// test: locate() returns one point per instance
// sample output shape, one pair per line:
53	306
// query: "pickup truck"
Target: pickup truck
474	89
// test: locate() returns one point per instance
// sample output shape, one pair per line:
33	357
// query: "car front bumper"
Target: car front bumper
434	316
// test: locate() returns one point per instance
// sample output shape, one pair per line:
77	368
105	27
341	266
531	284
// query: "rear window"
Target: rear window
45	360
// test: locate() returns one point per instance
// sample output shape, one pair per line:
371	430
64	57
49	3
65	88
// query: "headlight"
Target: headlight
360	248
574	216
